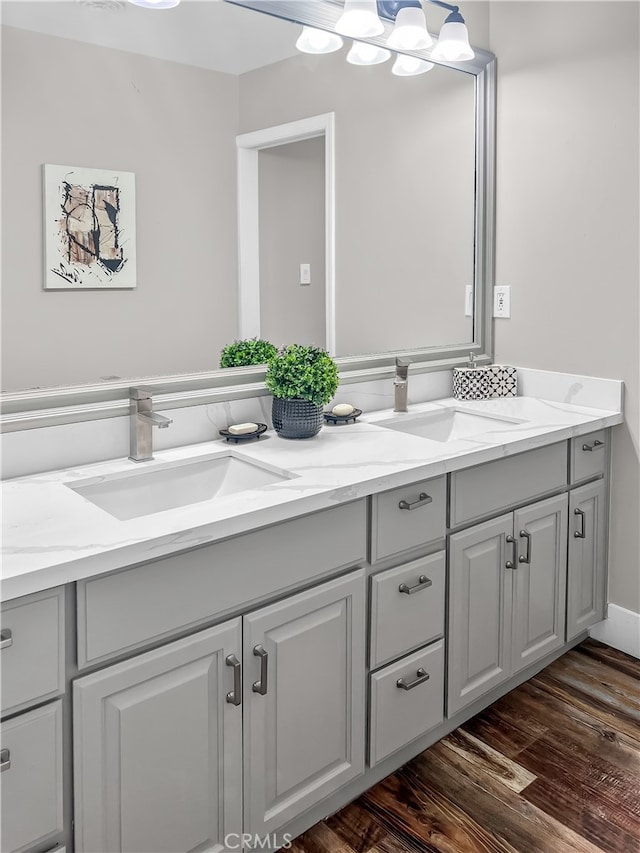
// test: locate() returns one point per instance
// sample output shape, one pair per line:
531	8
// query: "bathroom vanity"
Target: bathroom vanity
251	663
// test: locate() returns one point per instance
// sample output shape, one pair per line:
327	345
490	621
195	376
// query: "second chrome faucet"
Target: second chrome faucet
401	384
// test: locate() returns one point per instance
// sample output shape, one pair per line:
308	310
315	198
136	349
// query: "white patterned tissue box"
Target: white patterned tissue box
483	383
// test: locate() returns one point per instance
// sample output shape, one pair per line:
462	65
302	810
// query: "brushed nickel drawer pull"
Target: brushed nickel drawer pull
511	564
5	760
597	444
423	583
527	557
261	686
582	533
6	638
422	676
423	500
234	697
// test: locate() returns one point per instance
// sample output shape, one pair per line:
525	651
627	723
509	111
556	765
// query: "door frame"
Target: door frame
249	146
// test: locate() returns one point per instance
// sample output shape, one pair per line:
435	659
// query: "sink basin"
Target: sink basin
133	494
449	424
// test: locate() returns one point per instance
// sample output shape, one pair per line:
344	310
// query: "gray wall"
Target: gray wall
292	208
567	216
404	192
67	103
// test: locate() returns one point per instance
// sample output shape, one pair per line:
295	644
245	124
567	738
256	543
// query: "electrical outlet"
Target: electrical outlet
468	300
502	301
305	273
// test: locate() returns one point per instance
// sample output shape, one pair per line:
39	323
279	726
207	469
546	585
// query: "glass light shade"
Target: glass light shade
410	66
360	19
312	40
367	54
453	43
410	30
155	4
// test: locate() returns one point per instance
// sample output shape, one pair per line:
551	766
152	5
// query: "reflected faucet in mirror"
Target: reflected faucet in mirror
401	384
142	419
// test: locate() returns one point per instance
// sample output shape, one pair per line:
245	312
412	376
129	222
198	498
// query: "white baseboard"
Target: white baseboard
621	629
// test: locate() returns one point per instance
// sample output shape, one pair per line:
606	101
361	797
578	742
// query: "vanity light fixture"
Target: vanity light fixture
410	29
453	43
359	19
363	53
410	66
312	40
155	4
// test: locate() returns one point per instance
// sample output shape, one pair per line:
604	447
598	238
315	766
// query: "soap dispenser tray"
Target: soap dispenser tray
246	436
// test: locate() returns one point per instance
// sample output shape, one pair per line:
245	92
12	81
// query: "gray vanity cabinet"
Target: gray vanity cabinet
507	597
587	558
158	749
304	695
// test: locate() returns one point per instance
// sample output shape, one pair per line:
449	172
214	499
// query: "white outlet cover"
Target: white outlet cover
502	301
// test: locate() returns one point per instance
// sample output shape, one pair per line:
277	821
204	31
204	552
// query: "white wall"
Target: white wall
74	104
568	216
292	215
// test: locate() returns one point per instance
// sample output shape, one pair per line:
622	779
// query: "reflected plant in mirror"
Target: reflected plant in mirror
247	352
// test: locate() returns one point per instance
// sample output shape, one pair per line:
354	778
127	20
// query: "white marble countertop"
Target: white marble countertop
52	535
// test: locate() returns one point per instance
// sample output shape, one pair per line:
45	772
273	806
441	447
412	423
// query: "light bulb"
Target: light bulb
155	4
410	30
453	42
362	53
410	66
312	40
360	19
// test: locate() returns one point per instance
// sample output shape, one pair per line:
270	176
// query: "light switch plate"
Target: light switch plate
468	300
305	273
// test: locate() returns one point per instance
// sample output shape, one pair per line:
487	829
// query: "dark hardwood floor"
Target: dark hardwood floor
552	767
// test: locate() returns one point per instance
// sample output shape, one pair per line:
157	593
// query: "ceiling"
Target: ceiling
206	33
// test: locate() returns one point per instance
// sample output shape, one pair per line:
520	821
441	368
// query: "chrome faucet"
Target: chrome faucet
401	384
142	419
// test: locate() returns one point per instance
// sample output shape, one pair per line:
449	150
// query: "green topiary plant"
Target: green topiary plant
244	353
297	372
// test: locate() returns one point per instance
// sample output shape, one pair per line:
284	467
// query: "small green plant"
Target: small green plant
250	351
298	372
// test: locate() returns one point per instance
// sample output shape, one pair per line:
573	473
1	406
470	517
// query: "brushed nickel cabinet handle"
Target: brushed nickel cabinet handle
423	583
6	638
527	557
422	500
261	686
597	444
421	676
234	697
582	533
5	760
511	564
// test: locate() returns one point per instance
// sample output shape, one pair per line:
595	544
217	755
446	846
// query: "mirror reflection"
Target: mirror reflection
154	94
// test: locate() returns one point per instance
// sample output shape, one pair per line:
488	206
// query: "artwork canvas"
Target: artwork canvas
89	228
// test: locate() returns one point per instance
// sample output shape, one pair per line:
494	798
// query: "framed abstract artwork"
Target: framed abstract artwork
89	226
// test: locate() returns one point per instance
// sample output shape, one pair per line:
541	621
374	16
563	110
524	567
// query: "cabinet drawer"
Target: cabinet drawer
486	489
403	519
399	715
407	608
32	654
31	777
588	456
128	609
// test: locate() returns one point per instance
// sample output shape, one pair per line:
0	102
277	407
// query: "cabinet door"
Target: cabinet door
587	559
305	728
540	580
158	749
480	608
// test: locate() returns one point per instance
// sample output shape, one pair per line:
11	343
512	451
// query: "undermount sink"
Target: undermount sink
449	424
175	484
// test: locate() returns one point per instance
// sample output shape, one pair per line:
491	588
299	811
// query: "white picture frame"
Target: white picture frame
89	229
